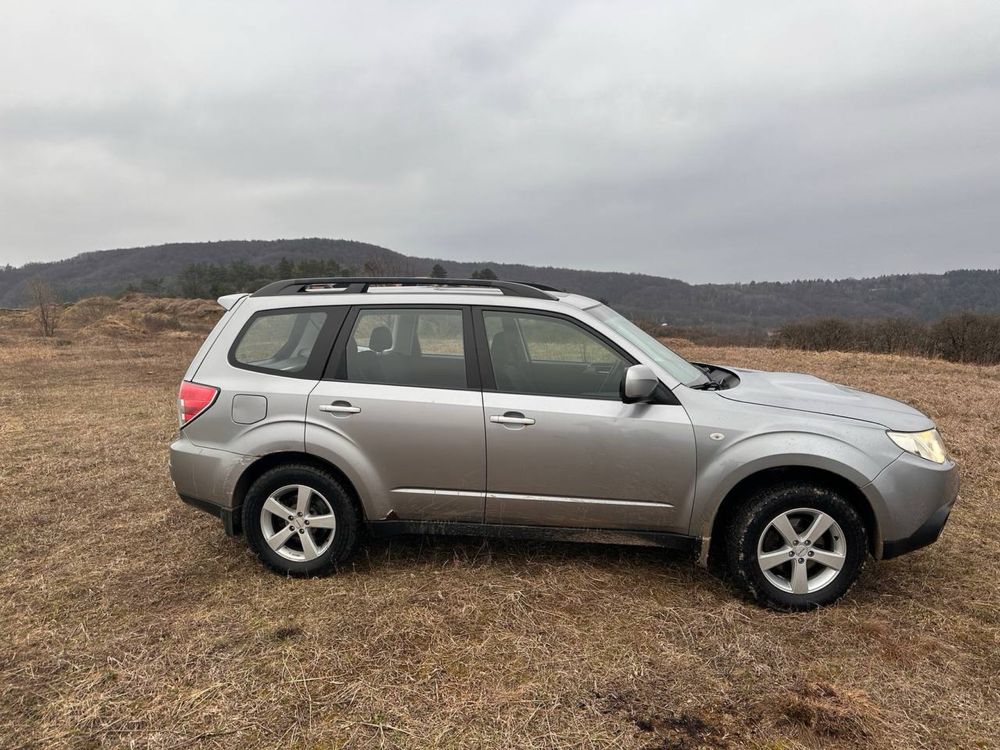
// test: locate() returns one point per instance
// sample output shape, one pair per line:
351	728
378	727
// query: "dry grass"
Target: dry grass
130	620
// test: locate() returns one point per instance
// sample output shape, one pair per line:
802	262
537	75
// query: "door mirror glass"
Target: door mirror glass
638	384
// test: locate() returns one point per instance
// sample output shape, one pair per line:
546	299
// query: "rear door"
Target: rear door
562	448
400	410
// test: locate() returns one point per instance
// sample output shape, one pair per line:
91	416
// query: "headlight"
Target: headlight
927	444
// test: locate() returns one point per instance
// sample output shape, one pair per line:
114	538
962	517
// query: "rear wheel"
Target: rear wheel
797	546
300	520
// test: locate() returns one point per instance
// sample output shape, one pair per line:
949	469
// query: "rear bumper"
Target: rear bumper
207	474
230	521
205	478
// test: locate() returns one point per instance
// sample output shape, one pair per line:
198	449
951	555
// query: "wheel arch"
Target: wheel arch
269	461
713	545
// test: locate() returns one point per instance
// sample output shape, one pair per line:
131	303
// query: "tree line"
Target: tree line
209	280
962	337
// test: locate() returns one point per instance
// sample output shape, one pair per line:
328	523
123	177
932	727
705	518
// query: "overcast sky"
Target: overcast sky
704	141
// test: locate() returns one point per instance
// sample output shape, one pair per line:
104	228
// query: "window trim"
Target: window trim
336	366
335	315
486	362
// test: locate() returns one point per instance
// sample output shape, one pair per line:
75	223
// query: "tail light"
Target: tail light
193	399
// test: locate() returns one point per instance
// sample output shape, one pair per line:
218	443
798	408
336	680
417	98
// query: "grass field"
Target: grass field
130	620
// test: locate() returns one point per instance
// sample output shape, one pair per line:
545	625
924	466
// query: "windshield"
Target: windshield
669	360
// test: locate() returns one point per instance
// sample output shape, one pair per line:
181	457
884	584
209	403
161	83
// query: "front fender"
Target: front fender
726	466
735	440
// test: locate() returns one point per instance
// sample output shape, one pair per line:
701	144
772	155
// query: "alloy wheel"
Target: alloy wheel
801	551
298	523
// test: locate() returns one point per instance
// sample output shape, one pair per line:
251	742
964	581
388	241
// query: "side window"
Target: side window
544	355
414	346
554	340
281	342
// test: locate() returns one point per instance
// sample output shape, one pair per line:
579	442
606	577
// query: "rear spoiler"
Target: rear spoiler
227	301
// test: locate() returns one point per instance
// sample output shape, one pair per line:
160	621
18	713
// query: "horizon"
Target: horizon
494	262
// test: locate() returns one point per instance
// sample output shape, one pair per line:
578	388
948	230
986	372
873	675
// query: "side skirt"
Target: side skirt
385	529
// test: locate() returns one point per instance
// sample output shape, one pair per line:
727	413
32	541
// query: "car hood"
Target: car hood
791	390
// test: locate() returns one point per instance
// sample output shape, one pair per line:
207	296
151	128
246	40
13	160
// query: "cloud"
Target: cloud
706	141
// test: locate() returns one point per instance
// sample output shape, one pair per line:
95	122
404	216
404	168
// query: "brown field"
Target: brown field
129	620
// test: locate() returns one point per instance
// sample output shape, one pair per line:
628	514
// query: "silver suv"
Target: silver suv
320	408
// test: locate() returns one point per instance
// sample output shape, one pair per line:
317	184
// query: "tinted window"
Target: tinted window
547	355
417	347
281	342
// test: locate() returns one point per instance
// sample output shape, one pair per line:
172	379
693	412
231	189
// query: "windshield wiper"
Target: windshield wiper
711	385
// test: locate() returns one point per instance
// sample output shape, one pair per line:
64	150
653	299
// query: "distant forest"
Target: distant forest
212	280
210	269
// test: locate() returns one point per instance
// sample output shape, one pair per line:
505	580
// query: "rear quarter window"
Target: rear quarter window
286	342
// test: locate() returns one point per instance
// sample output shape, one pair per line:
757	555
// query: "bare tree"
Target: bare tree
47	305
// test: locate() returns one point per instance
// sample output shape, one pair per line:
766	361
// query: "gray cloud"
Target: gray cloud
706	141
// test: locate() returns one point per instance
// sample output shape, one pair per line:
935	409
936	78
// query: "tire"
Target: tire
316	529
803	575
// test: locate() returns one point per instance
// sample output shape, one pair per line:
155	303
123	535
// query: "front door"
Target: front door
562	448
402	411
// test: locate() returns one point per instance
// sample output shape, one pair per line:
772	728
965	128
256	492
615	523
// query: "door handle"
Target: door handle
340	407
512	417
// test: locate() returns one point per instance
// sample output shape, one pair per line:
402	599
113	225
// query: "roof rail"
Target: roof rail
360	285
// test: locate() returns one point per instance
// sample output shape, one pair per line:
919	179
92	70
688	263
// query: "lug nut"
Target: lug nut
801	560
303	531
791	553
796	541
807	542
811	553
307	523
291	518
300	513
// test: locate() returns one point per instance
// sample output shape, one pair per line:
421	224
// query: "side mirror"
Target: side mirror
638	384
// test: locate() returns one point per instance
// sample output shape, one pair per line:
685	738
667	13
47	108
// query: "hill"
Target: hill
755	305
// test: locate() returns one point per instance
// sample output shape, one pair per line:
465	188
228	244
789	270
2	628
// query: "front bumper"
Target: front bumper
928	533
913	498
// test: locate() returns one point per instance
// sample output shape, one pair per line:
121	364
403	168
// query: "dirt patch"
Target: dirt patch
677	730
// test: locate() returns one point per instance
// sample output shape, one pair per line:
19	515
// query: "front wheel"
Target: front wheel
300	520
797	546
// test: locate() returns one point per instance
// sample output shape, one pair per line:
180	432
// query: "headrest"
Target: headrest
381	339
504	345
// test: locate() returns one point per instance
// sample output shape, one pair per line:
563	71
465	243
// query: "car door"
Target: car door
400	411
562	448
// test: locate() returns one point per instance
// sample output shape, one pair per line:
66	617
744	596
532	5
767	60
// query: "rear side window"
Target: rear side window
280	342
420	347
